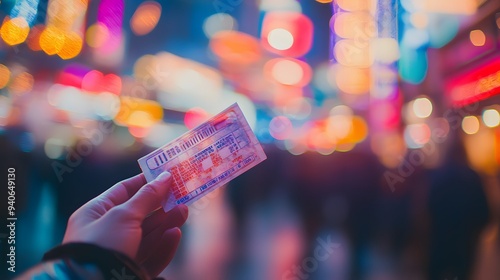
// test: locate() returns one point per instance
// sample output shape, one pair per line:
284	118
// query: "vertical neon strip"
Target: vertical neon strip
110	15
384	95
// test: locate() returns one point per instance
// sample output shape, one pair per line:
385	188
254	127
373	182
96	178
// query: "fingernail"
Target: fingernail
163	177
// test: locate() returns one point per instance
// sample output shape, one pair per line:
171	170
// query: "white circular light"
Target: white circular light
491	118
422	107
470	125
280	39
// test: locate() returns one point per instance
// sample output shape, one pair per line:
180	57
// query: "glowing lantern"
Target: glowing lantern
287	33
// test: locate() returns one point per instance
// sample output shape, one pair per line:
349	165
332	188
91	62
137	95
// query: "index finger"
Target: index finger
116	195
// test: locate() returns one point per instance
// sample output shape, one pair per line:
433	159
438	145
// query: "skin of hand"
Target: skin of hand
126	218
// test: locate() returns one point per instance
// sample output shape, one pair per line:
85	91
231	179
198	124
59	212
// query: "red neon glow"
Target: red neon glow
287	33
475	85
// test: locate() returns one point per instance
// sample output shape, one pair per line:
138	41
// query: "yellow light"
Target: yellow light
72	46
422	107
52	40
4	75
96	35
477	38
491	118
145	18
280	39
324	1
15	31
138	112
22	83
470	125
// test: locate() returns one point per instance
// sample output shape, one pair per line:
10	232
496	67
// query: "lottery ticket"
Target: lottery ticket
206	157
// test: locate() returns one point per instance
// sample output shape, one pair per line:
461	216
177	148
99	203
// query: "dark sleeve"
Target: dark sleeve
85	261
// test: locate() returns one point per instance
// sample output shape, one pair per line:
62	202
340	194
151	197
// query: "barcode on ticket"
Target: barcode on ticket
206	157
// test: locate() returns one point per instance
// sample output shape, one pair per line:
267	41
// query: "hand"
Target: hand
126	218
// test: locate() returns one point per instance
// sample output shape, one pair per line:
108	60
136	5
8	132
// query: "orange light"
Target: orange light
72	46
22	83
138	112
353	80
477	38
96	35
52	40
289	72
324	1
236	47
15	31
354	5
33	40
4	75
145	18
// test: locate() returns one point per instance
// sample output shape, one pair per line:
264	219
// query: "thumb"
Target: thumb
149	196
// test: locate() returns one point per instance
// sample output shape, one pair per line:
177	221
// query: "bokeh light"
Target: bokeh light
470	125
417	135
52	40
477	38
287	33
280	39
72	46
217	23
280	128
288	71
354	5
145	18
491	117
22	83
422	107
33	39
15	31
97	34
353	80
236	47
4	76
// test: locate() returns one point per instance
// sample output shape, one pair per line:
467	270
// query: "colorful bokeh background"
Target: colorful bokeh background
379	118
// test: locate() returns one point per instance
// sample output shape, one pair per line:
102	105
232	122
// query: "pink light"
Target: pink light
111	15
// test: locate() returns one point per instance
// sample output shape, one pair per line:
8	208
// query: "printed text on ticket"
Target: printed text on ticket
206	157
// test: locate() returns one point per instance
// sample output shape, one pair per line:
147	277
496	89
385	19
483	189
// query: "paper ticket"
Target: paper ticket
206	157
